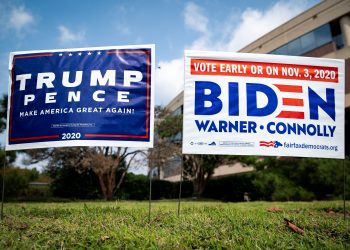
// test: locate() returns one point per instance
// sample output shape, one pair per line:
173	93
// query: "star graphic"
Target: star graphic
60	54
99	53
89	53
70	54
79	54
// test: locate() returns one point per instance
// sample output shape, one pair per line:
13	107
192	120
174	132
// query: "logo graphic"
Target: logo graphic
274	144
212	144
200	143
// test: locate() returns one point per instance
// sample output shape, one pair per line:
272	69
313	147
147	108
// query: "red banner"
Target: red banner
265	70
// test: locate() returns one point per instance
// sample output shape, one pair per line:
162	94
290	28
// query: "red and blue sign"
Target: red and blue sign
81	97
253	104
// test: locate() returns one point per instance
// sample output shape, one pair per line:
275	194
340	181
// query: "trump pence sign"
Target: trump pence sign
249	104
81	97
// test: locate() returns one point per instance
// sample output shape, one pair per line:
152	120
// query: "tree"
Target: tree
165	147
291	178
3	113
17	180
3	117
68	182
103	161
199	169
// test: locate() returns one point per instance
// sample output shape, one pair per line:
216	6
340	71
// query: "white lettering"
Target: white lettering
123	96
98	79
74	96
28	98
23	79
96	94
45	78
77	81
50	97
131	76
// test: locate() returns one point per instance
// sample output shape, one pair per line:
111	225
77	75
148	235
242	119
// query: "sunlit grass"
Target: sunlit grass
115	225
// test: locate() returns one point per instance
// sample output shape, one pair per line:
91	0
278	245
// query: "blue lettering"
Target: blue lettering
316	101
331	129
201	125
222	126
252	107
201	98
269	129
233	108
212	127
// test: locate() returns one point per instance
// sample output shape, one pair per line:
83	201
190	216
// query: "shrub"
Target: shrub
17	180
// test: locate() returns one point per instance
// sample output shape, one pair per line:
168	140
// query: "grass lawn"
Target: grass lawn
213	225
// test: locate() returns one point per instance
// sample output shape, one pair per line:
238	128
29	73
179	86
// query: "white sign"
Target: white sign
254	104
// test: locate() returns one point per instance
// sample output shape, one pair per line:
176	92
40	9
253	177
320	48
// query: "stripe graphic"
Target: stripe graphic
289	88
291	114
266	143
293	102
288	102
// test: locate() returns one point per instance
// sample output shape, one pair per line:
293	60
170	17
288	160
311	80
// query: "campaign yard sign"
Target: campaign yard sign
254	104
101	96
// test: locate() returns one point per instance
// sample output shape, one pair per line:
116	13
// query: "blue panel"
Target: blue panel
109	119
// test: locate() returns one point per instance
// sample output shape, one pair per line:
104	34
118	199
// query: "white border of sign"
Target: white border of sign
72	143
200	142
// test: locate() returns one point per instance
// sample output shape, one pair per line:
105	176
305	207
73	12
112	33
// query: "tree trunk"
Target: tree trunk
102	184
111	184
120	180
107	184
200	182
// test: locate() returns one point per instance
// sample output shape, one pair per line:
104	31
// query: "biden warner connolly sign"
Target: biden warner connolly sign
249	104
81	97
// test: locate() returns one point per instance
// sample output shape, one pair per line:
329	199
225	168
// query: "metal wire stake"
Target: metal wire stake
150	195
3	188
344	187
180	188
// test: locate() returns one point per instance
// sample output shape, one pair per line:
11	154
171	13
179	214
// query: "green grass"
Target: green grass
201	225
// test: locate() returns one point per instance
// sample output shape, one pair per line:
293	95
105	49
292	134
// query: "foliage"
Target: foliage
3	117
3	112
300	178
11	157
199	169
136	187
201	225
169	126
69	183
279	188
105	162
284	179
232	188
324	177
17	180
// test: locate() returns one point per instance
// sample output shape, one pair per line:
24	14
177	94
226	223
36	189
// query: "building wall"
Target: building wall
320	14
334	12
221	171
